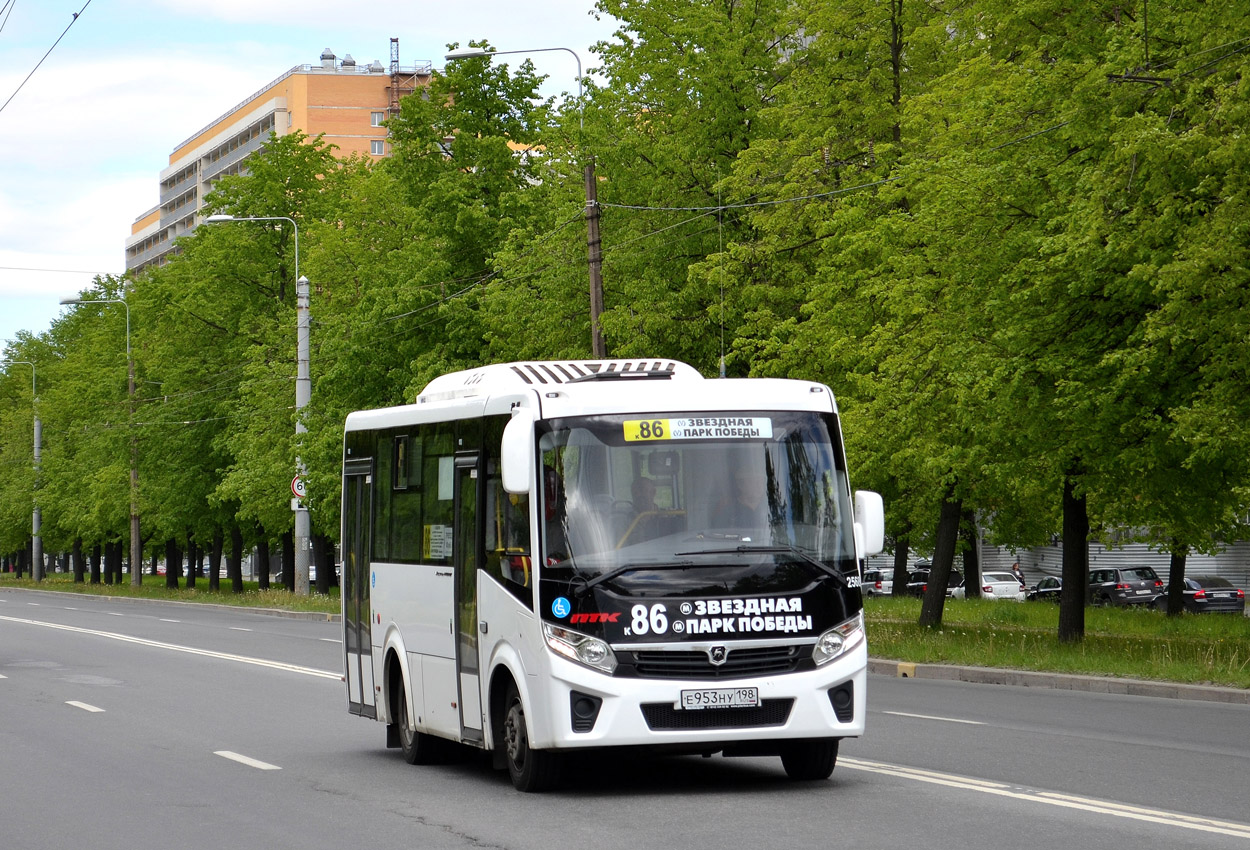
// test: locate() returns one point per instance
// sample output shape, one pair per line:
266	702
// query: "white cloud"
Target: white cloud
83	142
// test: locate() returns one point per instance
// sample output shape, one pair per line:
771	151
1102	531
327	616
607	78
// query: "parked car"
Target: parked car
918	580
877	582
996	585
1207	594
1048	589
1131	586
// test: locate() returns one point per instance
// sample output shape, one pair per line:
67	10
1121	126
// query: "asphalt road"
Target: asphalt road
136	725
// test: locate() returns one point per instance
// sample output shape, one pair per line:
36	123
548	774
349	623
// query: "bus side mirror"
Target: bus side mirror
517	452
869	522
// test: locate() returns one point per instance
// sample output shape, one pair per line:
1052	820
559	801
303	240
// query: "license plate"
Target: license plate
719	698
1140	592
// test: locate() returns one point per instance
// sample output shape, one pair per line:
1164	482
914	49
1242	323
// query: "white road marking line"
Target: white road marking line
238	629
115	614
1087	804
33	604
84	706
931	717
163	620
250	762
208	653
2	676
330	640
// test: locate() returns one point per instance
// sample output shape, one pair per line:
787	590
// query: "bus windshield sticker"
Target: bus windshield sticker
699	428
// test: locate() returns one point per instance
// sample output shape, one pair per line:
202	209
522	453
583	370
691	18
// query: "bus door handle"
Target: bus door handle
482	627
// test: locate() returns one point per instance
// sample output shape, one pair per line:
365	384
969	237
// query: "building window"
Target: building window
378	118
377	147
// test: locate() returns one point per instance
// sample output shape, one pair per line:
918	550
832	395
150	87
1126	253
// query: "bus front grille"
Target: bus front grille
662	716
739	663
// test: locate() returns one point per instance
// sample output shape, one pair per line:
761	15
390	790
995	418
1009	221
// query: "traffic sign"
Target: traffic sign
299	487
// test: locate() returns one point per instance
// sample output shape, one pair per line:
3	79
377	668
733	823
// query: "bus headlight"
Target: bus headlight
583	649
840	639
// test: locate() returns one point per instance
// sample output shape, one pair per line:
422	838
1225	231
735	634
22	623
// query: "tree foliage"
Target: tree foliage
1012	237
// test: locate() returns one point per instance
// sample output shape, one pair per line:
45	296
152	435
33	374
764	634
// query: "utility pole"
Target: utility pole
303	392
595	248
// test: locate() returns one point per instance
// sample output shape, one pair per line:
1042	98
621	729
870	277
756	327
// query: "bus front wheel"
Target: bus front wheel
810	759
530	769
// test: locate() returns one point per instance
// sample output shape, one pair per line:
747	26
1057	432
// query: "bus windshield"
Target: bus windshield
672	498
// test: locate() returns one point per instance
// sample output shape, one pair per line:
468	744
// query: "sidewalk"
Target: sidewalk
1058	681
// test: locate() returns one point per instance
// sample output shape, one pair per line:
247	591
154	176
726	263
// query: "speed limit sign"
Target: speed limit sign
299	487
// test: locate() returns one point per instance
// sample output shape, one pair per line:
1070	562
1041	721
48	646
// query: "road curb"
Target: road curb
319	616
1057	681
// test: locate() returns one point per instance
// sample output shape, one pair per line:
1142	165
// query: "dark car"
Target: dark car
1207	594
1128	586
918	580
1048	589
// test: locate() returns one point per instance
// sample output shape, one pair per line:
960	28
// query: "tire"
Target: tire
810	759
531	770
416	747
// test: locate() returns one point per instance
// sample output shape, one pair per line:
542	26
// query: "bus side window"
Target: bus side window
507	526
507	533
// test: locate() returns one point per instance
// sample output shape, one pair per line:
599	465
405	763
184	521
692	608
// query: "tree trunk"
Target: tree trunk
214	561
95	564
1075	564
943	558
288	561
234	566
173	563
194	557
972	556
902	550
23	557
112	561
1176	579
80	564
323	557
263	565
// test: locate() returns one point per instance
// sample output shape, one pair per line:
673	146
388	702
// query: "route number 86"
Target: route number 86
654	620
653	430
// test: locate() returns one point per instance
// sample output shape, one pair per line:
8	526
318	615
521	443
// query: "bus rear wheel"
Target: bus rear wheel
417	747
531	770
810	759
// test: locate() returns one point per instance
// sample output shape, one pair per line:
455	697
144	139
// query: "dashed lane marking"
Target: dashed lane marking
84	706
250	762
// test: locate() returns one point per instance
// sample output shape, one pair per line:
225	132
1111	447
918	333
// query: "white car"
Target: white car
995	585
877	583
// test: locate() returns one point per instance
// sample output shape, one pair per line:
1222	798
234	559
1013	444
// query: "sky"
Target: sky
83	140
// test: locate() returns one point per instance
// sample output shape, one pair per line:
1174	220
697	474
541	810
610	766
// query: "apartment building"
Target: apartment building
338	98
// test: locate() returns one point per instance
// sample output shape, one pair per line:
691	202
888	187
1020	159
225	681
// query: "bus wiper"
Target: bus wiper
801	554
627	568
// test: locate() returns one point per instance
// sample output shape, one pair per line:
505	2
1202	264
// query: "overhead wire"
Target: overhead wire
20	85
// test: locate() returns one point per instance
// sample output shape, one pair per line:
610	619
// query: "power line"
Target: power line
6	10
45	56
51	271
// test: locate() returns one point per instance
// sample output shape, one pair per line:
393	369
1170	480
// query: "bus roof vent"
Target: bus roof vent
502	377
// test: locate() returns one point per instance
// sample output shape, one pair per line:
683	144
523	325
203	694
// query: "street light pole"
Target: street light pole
303	393
136	545
36	520
593	245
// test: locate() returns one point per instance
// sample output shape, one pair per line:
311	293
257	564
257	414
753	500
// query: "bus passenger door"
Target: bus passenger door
467	557
357	636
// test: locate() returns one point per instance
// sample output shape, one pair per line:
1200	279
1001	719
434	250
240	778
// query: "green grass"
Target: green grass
1130	643
153	587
